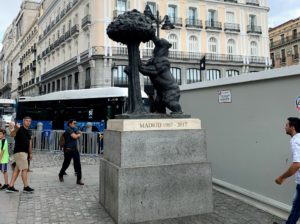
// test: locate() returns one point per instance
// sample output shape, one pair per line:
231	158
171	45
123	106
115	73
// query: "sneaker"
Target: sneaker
11	189
5	186
28	190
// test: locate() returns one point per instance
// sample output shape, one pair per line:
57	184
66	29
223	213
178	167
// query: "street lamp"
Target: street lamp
167	23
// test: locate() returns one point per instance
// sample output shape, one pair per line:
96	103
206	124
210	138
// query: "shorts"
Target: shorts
3	167
21	159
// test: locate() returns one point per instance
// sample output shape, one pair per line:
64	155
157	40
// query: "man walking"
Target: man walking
71	151
292	128
22	151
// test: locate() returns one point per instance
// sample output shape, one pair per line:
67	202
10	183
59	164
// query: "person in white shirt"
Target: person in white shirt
292	128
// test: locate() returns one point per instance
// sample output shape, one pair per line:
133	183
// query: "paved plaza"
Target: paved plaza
63	203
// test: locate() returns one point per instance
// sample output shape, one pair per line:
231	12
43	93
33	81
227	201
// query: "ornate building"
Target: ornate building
284	43
72	50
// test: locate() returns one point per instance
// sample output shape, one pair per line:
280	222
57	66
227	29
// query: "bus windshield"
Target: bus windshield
95	106
7	106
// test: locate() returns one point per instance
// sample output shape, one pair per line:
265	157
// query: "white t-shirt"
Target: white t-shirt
295	147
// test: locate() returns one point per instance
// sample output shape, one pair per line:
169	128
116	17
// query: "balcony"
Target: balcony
68	35
232	1
116	13
232	27
213	25
252	2
69	6
285	41
62	40
57	19
75	30
176	21
86	21
193	23
56	43
257	60
74	2
251	29
62	13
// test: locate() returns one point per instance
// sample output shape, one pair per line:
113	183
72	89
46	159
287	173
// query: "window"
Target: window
76	81
283	56
58	85
172	13
63	84
282	38
230	49
152	6
232	73
252	21
176	72
211	17
253	48
174	41
193	75
213	74
121	6
294	33
120	77
45	89
49	87
88	78
193	44
212	45
69	82
53	86
121	49
230	17
192	16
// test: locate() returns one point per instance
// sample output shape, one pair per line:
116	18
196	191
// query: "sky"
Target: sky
280	12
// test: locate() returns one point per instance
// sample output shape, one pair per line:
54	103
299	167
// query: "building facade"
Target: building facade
14	47
284	43
72	50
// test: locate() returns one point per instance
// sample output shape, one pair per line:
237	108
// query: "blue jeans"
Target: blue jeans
295	212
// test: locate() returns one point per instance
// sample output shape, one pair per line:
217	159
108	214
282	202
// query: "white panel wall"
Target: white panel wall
246	141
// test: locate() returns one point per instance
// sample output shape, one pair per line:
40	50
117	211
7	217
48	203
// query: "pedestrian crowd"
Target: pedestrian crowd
18	137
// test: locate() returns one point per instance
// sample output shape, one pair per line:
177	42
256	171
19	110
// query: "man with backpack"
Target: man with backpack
71	152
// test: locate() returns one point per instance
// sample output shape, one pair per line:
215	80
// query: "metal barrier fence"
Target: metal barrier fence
89	143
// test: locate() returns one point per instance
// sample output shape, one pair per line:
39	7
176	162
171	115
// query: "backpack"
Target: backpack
62	141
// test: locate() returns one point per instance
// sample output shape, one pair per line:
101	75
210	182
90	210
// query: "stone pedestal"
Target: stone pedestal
155	169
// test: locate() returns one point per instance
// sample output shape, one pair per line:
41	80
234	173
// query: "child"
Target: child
4	157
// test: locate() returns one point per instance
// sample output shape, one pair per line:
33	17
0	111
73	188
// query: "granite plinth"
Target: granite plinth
148	174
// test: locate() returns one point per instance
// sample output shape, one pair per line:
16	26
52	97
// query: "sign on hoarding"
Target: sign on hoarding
224	96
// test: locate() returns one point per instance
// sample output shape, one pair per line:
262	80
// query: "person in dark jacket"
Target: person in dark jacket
71	151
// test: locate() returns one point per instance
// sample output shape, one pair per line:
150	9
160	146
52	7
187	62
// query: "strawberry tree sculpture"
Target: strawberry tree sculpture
132	28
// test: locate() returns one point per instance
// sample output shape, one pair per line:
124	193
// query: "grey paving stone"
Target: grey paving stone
68	203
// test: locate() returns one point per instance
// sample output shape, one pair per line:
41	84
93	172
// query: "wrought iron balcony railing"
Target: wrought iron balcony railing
193	23
252	2
176	21
233	1
254	29
233	27
86	21
213	25
285	41
75	30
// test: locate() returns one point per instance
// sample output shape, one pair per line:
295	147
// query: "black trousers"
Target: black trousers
69	155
